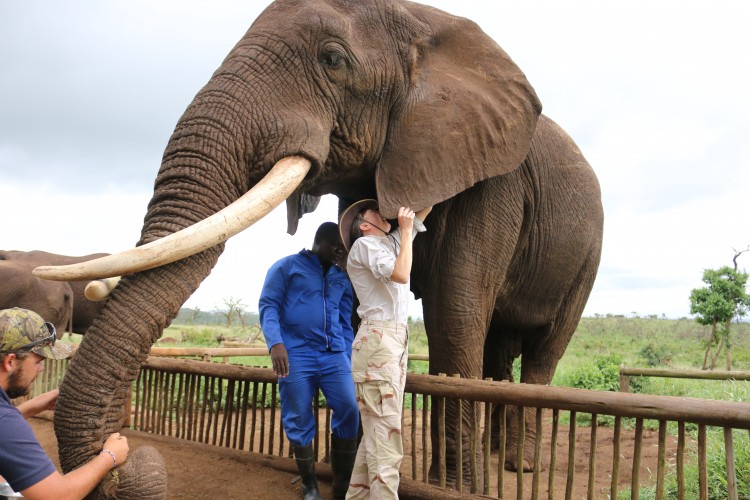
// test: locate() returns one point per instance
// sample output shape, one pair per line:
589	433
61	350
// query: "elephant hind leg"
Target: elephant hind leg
541	353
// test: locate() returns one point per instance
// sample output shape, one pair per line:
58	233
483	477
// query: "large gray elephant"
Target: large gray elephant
378	98
83	310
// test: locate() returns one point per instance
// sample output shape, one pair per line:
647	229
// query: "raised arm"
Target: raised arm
402	267
422	214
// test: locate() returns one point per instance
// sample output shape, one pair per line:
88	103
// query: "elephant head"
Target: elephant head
357	98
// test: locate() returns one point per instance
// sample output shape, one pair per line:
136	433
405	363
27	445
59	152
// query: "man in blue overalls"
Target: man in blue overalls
305	312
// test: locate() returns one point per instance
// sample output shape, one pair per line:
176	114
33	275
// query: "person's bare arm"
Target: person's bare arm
80	482
38	404
402	267
422	214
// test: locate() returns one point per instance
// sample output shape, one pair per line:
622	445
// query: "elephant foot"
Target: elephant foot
143	477
451	479
512	465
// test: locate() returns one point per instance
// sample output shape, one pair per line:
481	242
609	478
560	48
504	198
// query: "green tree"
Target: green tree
723	298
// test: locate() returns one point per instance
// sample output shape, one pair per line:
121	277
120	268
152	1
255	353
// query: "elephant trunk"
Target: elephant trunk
96	387
213	157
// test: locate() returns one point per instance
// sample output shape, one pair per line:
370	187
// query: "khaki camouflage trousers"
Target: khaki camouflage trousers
379	356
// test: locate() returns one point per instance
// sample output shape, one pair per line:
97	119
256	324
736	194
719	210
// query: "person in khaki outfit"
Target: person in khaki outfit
379	265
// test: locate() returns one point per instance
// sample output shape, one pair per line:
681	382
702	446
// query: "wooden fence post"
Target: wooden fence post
624	380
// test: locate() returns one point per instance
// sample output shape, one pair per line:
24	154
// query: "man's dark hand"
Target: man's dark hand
280	360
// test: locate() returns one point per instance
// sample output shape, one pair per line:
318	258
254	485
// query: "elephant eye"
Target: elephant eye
333	59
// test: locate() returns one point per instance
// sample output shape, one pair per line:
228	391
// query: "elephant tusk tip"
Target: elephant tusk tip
99	290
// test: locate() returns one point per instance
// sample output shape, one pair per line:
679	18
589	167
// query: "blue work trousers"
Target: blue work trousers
308	371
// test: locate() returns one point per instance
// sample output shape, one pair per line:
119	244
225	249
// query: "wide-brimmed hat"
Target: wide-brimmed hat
347	217
22	330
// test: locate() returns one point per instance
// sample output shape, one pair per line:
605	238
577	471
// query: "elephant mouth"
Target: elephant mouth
277	185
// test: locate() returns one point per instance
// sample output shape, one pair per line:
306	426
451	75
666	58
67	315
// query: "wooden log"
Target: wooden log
229	350
474	436
459	443
635	483
681	461
592	456
537	454
204	408
413	435
702	464
661	461
487	443
229	372
263	392
553	454
425	426
571	457
731	472
441	439
624	380
208	351
245	405
502	435
685	373
614	486
709	412
255	416
521	423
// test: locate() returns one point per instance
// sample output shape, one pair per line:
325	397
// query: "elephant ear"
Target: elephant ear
468	114
297	205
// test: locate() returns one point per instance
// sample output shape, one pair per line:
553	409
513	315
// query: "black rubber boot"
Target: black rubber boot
343	453
306	467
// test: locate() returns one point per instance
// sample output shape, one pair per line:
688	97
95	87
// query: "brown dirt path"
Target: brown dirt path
202	471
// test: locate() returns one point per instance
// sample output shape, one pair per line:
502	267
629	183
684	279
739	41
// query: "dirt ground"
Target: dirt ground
202	471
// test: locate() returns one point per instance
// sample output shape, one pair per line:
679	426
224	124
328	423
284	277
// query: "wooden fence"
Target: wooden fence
626	373
237	407
208	353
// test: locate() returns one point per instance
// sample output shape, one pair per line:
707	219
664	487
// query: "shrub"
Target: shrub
602	373
655	355
203	337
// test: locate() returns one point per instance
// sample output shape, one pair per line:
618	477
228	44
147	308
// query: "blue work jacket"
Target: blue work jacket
304	309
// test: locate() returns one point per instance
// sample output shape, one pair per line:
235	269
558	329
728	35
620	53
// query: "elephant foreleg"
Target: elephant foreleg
458	420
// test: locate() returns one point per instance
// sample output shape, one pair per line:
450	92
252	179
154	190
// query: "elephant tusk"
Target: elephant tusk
98	290
277	185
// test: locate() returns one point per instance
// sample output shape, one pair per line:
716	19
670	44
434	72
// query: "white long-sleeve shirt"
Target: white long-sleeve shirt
370	266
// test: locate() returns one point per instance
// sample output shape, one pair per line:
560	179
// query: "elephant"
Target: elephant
83	310
383	99
52	300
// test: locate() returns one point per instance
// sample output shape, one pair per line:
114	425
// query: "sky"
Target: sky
654	94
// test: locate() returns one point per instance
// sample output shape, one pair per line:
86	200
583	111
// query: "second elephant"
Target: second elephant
82	311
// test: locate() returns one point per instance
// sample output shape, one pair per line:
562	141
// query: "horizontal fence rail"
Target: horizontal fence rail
208	353
238	407
627	372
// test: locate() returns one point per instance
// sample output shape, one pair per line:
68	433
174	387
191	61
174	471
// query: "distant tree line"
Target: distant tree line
223	317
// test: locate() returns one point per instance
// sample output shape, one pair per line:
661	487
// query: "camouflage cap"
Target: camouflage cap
22	328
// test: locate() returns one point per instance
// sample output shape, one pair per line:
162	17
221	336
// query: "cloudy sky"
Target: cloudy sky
654	93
